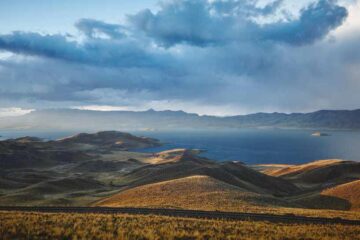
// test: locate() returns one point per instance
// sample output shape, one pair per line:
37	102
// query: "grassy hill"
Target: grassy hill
57	191
72	171
186	163
319	174
278	170
340	197
194	192
181	179
99	169
108	140
324	184
348	191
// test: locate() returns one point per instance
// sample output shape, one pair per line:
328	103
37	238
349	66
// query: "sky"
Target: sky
214	57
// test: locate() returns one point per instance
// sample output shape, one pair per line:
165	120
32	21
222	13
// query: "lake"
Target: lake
251	146
254	146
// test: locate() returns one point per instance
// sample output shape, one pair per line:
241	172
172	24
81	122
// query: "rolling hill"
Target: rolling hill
324	184
66	171
319	174
290	170
185	163
100	169
193	192
33	152
348	191
180	178
108	140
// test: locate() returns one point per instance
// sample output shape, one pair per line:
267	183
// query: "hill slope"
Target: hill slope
33	152
194	192
291	170
187	164
348	191
109	139
319	174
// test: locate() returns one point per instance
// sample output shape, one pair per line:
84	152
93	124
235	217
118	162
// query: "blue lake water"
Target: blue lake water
251	146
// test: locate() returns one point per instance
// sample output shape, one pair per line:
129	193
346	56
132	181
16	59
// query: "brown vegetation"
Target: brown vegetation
99	226
278	170
348	191
188	164
194	192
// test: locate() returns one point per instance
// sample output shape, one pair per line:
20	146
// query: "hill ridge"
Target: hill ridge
100	120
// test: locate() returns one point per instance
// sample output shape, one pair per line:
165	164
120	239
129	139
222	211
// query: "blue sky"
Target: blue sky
218	57
59	15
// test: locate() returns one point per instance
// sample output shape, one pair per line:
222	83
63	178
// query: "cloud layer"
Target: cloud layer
203	23
242	56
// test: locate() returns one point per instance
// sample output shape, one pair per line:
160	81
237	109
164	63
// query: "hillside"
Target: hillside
319	174
186	163
107	140
339	197
33	152
170	156
16	154
348	191
103	168
71	171
57	191
325	184
71	119
194	192
173	178
278	170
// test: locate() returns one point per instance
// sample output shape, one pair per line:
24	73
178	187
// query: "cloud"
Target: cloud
203	23
217	56
7	112
314	23
94	28
102	52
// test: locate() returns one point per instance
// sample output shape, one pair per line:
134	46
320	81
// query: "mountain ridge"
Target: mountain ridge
66	119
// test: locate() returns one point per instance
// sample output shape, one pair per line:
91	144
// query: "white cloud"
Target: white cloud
14	111
105	108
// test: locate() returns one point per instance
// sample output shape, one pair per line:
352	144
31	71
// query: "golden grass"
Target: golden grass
348	191
170	156
206	193
269	169
19	225
195	192
278	170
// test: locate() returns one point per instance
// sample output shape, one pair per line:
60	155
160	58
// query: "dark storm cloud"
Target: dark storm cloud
218	53
315	22
103	52
204	23
197	23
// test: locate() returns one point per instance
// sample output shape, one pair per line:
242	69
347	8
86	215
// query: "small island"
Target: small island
320	134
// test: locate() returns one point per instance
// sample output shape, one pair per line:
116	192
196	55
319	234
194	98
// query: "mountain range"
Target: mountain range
73	119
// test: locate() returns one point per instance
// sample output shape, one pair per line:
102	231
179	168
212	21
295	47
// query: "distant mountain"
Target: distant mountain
71	119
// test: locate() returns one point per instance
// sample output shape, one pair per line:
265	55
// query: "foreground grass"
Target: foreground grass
19	225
